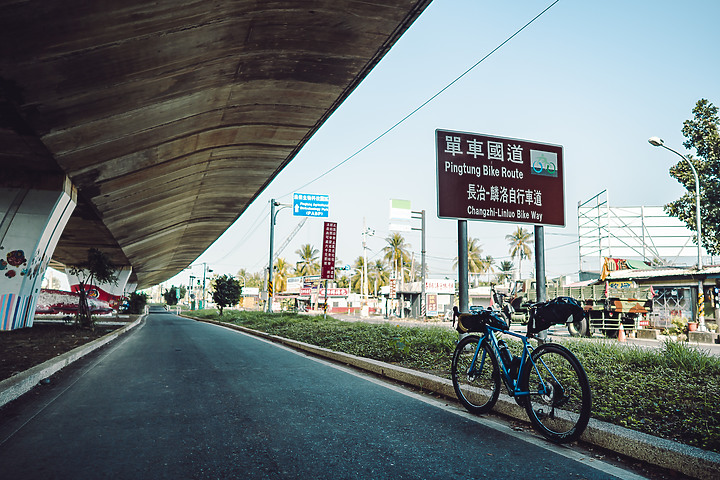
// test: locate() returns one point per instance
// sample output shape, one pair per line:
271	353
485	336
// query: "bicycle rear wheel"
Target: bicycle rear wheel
477	385
559	402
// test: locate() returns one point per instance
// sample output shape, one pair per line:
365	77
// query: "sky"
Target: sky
598	78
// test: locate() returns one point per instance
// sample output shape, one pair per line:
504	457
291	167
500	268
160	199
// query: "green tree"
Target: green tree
343	281
520	241
98	268
309	260
171	296
282	272
226	291
356	279
396	252
251	279
506	268
379	275
477	264
136	303
702	134
256	280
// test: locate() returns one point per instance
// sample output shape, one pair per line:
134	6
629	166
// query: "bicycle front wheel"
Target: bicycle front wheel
477	383
559	401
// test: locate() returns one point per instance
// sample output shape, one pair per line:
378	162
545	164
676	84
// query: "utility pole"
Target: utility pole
364	271
269	284
366	231
205	269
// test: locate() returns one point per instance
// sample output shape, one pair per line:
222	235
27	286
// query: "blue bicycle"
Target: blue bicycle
548	381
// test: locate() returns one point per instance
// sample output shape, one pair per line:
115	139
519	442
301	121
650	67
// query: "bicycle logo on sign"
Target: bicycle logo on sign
541	164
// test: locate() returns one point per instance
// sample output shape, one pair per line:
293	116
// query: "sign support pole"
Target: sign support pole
326	304
423	303
540	270
540	263
463	266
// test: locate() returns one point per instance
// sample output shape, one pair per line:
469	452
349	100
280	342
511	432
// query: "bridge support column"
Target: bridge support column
32	218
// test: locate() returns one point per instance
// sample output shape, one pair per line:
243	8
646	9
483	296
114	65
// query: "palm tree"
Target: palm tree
378	274
489	262
342	281
520	241
395	251
477	265
256	280
506	268
243	275
356	279
308	264
282	271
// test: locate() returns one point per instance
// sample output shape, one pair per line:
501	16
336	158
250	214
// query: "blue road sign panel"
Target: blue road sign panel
311	205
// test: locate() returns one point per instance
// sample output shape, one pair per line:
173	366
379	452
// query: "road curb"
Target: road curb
676	456
17	385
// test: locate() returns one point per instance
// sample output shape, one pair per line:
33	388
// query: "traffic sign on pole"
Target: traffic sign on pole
328	251
311	205
480	177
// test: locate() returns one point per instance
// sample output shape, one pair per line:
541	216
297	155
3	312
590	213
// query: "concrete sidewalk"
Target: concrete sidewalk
15	386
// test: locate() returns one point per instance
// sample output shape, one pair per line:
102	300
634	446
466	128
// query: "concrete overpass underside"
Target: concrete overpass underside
164	120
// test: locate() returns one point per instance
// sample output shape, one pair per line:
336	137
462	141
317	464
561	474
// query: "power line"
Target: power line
250	231
426	102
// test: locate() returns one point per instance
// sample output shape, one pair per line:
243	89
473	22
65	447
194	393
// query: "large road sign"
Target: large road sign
311	205
480	177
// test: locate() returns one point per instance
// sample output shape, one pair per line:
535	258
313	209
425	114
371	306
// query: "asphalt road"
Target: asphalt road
181	399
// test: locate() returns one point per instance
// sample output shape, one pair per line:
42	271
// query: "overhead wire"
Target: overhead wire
251	230
426	102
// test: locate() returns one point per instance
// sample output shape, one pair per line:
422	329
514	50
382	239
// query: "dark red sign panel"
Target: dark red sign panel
499	179
328	252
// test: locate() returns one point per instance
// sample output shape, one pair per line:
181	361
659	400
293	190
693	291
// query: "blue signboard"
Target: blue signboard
311	205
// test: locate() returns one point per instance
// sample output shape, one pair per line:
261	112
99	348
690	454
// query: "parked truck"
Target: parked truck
606	305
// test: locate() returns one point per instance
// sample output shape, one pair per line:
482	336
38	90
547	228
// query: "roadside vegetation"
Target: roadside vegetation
673	392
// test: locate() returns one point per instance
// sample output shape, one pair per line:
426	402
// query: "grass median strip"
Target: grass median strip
671	392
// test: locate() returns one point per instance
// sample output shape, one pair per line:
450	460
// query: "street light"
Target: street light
273	216
366	231
658	142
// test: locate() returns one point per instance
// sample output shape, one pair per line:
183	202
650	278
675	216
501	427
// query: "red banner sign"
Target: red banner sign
328	253
499	179
331	292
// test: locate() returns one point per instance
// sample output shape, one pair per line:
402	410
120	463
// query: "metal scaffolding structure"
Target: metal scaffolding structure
644	233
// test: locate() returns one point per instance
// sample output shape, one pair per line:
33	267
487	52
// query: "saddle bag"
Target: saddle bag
560	310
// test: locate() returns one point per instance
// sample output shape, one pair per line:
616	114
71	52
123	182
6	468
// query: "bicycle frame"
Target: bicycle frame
512	384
